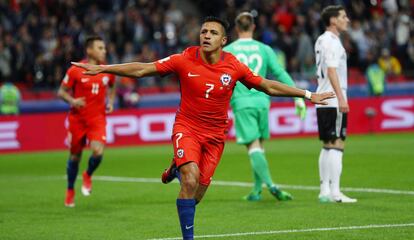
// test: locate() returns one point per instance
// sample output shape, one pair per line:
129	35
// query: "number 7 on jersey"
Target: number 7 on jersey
209	89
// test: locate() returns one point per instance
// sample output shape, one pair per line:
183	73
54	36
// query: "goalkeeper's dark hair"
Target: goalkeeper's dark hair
244	21
329	12
91	39
221	21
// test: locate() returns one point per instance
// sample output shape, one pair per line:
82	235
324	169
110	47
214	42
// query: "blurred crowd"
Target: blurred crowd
39	38
381	32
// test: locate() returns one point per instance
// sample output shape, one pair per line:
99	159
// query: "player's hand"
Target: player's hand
109	108
78	102
318	98
300	108
91	69
343	106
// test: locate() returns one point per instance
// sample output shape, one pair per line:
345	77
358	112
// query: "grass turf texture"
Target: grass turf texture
33	187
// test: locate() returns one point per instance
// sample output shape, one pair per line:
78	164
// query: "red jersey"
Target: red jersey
93	88
206	89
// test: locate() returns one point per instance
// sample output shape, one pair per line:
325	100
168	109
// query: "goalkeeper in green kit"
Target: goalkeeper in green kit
251	107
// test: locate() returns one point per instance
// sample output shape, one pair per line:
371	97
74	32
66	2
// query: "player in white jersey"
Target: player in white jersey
332	118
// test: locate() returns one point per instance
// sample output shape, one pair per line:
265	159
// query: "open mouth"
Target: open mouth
206	44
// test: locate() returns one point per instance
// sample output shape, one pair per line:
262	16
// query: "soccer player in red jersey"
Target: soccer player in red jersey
207	78
86	95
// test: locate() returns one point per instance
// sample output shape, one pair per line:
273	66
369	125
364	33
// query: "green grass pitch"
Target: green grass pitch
133	204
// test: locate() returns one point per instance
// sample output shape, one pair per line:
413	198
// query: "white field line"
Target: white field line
246	184
371	226
225	183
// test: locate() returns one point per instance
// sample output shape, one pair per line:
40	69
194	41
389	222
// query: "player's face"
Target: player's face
212	37
97	51
342	21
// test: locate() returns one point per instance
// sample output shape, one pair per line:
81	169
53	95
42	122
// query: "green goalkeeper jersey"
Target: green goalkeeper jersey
262	60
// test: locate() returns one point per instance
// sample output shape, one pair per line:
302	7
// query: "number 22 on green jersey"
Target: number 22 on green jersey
253	61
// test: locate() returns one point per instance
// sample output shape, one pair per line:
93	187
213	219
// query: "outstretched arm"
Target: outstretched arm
134	69
274	88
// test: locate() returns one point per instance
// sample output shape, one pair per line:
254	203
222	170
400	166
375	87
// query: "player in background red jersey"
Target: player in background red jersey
207	78
86	95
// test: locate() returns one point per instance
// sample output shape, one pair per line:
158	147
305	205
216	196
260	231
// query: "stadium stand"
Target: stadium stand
38	39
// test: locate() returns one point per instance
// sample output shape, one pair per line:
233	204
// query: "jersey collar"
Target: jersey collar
200	59
332	34
245	39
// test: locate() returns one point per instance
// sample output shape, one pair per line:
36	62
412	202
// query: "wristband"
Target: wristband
308	95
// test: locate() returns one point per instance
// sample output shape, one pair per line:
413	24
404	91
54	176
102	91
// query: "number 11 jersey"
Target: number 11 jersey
92	88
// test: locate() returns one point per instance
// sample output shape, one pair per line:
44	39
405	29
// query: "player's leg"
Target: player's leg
201	191
94	161
96	134
186	202
195	177
326	126
336	150
210	158
247	133
189	180
258	157
186	156
173	171
274	189
324	175
259	165
335	154
255	194
77	141
72	168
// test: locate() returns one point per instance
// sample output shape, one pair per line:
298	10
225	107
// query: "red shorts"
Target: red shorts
80	130
203	149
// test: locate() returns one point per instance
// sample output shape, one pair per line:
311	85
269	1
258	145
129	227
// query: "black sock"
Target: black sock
72	171
94	162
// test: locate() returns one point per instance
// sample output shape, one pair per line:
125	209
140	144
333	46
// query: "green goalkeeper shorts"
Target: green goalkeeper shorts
251	124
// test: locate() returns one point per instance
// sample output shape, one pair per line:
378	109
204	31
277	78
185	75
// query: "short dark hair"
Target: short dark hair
329	12
222	22
91	39
244	21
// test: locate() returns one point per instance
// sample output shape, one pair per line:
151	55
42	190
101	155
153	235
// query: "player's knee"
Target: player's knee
201	190
339	143
336	143
97	150
189	182
189	177
254	144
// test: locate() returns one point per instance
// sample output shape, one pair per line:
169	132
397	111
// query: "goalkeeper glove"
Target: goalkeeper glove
300	108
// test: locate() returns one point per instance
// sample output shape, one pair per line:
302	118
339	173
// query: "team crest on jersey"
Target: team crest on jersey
105	80
180	153
225	79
